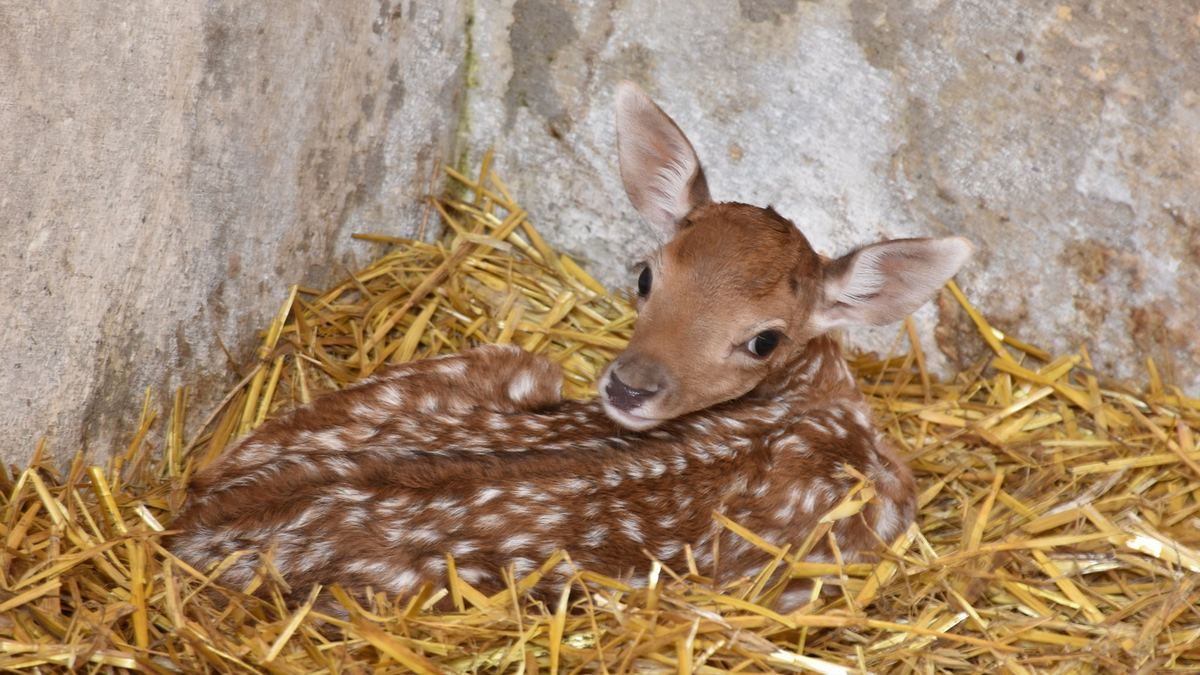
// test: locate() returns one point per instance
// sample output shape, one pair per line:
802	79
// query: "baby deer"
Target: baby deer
730	398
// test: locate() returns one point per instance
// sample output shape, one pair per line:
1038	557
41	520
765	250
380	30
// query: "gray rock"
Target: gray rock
1062	141
169	169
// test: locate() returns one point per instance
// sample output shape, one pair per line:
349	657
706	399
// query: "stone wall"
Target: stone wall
168	169
1063	140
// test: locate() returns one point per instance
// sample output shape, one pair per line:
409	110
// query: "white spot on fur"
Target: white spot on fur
837	428
826	491
355	517
814	424
310	514
464	547
785	513
814	364
350	494
861	417
655	468
318	554
428	404
734	423
632	529
739	546
793	599
452	368
473	575
794	445
330	439
256	452
532	491
424	535
551	518
366	567
889	521
434	566
845	371
490	521
573	485
486	495
809	504
668	550
521	386
306	438
596	536
679	462
516	542
392	395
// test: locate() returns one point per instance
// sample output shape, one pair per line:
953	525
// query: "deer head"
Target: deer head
737	291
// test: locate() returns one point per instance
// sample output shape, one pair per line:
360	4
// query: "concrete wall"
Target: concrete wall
168	169
1064	140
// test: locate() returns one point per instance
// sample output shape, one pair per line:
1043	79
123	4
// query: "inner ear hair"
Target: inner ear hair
659	167
884	282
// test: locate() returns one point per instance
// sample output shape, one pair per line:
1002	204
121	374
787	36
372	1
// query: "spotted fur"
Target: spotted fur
477	456
339	498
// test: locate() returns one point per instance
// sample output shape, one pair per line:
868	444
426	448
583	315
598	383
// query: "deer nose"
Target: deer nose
624	396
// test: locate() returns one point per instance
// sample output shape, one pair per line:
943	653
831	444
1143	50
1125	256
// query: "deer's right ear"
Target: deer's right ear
884	282
661	172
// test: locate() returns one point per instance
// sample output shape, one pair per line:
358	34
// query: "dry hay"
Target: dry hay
1058	528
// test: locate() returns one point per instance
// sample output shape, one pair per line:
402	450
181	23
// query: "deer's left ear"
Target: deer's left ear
661	171
885	282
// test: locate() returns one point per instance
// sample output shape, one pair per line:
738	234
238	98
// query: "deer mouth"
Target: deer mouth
627	406
627	418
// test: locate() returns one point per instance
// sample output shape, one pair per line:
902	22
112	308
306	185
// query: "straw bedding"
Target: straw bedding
1059	525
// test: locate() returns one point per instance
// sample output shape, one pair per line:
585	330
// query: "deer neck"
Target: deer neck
815	374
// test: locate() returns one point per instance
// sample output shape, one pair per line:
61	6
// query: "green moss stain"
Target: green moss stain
462	132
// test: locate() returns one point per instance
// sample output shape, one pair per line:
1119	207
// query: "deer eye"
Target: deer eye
761	345
644	281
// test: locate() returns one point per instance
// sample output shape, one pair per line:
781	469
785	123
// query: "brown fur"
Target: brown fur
475	455
380	502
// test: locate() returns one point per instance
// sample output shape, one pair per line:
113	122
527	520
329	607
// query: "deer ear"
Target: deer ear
884	282
661	172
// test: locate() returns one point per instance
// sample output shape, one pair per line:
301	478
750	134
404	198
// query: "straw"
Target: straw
1059	522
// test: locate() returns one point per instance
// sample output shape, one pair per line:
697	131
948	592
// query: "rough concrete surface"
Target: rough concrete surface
168	169
1064	140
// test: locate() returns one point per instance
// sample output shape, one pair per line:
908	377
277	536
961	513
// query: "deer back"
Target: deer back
730	398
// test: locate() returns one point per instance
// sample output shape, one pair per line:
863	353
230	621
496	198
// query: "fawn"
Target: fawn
731	397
